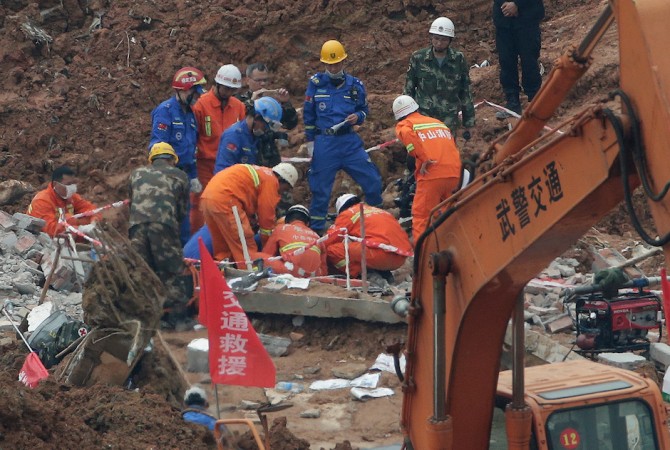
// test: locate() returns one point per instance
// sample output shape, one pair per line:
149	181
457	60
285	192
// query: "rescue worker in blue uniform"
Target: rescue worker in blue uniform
334	102
173	122
238	143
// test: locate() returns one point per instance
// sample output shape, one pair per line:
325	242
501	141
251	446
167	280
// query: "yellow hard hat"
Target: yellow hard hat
332	52
162	149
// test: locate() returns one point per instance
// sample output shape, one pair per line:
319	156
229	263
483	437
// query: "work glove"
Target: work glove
196	186
467	135
87	229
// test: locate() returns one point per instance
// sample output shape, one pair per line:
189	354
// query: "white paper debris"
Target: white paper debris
385	362
365	394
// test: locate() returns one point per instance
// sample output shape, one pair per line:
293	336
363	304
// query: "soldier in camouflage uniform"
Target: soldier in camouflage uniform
159	198
257	78
438	79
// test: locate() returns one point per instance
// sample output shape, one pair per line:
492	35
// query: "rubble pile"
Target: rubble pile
27	258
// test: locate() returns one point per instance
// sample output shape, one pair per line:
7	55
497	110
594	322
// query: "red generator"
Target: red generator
617	324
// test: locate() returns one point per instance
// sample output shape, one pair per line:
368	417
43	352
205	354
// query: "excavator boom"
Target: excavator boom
538	196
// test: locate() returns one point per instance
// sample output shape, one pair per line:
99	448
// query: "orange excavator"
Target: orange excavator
535	194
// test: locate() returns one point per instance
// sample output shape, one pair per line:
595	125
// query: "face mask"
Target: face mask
70	190
335	78
259	133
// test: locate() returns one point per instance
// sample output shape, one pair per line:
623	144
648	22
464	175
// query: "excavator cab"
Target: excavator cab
585	405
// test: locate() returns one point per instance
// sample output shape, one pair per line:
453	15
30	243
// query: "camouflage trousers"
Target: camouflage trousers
160	247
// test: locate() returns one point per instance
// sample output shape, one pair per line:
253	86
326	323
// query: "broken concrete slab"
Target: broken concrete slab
275	345
659	352
629	361
373	310
29	223
559	323
197	356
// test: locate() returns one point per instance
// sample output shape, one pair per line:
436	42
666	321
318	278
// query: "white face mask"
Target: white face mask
70	190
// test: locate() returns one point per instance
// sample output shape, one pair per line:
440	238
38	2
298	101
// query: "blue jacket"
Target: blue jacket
199	417
192	248
327	105
170	124
237	146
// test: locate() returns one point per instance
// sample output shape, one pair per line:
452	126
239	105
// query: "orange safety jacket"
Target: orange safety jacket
212	120
288	238
380	227
46	205
426	139
255	188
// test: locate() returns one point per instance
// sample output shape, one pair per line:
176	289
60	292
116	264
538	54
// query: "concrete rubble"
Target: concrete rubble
27	258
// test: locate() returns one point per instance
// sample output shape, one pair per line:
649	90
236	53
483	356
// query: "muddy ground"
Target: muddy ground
80	79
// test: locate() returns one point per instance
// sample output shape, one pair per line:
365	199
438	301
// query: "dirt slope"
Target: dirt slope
81	90
83	95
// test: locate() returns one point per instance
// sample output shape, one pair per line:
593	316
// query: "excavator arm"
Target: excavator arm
537	197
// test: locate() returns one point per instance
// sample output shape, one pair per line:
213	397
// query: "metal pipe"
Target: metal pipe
364	267
440	265
518	353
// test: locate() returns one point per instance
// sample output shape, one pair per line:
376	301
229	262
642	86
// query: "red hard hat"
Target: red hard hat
187	77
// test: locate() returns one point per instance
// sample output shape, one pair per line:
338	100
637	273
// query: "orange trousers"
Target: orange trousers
375	258
205	168
429	194
225	237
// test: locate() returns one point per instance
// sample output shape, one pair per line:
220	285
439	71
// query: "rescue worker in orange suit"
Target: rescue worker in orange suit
214	111
255	191
173	122
380	227
438	162
60	197
291	241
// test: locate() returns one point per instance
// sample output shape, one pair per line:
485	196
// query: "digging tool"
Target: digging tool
243	241
51	272
262	411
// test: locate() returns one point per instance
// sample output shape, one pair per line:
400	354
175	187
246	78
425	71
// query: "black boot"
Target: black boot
513	104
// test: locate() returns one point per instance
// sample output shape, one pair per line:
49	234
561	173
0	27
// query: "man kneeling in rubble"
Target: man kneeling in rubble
158	203
293	241
380	228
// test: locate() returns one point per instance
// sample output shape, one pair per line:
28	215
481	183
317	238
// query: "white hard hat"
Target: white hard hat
404	105
229	75
341	200
442	27
192	394
287	172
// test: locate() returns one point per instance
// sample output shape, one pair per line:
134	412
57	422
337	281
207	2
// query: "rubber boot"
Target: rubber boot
513	104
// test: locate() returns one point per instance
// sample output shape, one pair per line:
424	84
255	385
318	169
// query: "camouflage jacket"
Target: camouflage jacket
158	193
441	92
268	153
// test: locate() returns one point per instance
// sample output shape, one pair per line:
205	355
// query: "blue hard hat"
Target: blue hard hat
270	110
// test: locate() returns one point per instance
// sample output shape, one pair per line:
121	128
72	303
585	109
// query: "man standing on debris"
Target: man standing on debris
195	408
518	37
438	79
60	199
380	228
294	242
214	112
438	162
257	78
334	102
239	143
173	122
158	201
237	194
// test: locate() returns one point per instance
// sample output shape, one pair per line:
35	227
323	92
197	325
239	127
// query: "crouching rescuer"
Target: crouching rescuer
294	241
158	203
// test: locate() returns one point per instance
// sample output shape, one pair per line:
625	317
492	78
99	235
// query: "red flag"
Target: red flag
202	298
32	371
236	354
665	287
